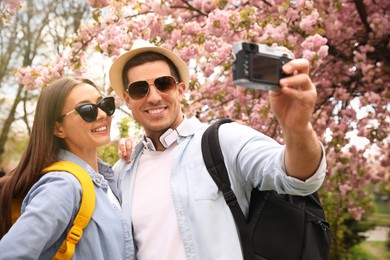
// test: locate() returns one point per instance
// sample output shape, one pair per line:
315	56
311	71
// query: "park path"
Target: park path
379	233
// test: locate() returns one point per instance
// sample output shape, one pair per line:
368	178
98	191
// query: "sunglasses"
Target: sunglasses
140	89
89	112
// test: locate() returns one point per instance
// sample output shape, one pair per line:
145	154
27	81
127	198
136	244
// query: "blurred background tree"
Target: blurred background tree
347	43
36	35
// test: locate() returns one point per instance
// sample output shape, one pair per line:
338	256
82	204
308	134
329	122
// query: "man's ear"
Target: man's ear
58	131
127	99
181	87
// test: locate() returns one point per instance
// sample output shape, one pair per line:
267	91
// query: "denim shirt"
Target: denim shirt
206	224
48	211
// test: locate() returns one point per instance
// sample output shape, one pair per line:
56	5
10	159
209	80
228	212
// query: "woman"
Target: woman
72	120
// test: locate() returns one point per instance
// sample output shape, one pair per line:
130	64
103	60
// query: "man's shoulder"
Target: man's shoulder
192	126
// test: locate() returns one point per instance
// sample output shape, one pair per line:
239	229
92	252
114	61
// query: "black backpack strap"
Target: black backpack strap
213	158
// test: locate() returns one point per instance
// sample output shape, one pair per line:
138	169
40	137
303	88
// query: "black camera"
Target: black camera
259	66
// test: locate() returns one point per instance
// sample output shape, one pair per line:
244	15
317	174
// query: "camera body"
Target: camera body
259	66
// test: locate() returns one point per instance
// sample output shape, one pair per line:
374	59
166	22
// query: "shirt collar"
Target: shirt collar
101	179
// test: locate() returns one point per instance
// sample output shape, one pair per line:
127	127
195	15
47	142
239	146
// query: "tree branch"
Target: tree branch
361	8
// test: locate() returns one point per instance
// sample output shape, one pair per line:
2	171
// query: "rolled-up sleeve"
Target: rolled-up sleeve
255	159
295	186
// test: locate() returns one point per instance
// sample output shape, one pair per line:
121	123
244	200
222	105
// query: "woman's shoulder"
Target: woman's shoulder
57	184
60	178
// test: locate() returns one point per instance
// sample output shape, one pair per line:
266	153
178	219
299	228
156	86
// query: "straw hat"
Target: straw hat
140	46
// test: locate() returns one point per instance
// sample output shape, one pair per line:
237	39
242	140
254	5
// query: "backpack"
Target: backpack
279	226
87	206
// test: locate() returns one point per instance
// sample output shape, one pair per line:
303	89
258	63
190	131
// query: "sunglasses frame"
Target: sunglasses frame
151	82
95	109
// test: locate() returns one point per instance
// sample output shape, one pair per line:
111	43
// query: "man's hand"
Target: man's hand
125	147
293	106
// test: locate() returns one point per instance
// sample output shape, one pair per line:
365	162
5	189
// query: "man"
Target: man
174	206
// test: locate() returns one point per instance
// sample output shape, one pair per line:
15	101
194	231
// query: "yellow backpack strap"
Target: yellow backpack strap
16	205
87	206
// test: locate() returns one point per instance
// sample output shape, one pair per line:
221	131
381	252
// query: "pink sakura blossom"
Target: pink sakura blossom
218	23
192	28
8	9
202	33
309	4
344	189
323	52
314	42
12	4
197	4
176	35
204	5
37	77
277	33
161	8
379	24
308	23
98	3
356	212
210	46
314	47
309	55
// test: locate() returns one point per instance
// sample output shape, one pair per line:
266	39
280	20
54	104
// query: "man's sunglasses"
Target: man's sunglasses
89	112
140	89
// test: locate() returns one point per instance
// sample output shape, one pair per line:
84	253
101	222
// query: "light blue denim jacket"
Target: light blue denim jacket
49	209
206	224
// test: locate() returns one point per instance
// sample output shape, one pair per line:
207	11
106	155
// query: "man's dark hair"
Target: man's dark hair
146	57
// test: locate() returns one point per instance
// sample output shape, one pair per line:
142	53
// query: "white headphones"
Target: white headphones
166	139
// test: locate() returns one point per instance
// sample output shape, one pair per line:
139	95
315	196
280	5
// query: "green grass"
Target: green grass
382	207
380	219
370	250
381	215
375	250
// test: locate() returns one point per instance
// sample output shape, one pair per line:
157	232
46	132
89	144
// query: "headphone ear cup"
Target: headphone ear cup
169	137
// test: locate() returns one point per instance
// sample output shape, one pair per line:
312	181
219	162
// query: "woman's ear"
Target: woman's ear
58	130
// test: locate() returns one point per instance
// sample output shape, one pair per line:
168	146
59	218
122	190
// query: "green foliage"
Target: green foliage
352	235
388	242
360	253
370	250
129	127
124	126
109	153
381	215
345	231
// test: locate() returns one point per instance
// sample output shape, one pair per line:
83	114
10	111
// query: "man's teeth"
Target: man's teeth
155	111
100	129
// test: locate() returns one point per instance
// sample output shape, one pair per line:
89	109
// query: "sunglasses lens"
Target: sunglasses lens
138	90
88	112
165	83
107	105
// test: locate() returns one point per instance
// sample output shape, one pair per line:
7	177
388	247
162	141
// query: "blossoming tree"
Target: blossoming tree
8	8
347	43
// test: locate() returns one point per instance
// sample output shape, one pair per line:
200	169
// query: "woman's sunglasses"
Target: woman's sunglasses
140	89
89	112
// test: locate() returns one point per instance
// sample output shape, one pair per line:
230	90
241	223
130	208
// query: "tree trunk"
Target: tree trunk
8	122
